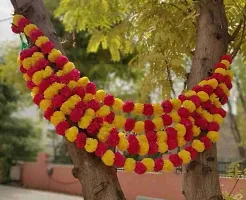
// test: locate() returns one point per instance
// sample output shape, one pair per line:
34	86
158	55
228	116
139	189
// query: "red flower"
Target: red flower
171	133
172	144
140	168
167	120
48	113
158	164
94	127
58	100
133	147
79	91
81	140
22	23
188	135
186	122
207	142
35	34
193	152
224	100
202	123
149	125
207	104
30	85
167	106
76	115
41	63
182	97
183	112
222	112
101	149
110	117
213	126
196	100
128	106
44	85
82	105
219	92
226	57
208	89
47	47
66	92
61	61
219	77
151	136
148	109
37	98
113	138
129	124
219	65
91	88
153	148
15	29
228	83
74	75
176	160
109	100
197	88
22	69
26	53
119	160
93	104
62	127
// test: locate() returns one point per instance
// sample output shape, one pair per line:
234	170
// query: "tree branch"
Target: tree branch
235	33
241	41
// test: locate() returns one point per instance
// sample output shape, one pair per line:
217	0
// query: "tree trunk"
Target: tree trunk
98	181
201	180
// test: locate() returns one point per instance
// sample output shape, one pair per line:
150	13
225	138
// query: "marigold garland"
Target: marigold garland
95	121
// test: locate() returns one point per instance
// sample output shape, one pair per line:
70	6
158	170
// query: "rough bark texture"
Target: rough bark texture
98	181
201	181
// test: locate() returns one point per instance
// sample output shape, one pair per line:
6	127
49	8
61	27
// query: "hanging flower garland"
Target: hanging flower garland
95	121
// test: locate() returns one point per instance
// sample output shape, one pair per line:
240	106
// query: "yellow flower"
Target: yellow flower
19	62
207	116
158	110
129	164
218	118
162	147
144	145
26	77
47	72
68	67
175	116
44	104
72	84
149	164
118	104
41	40
100	94
84	122
29	28
196	130
138	108
90	112
27	63
198	145
225	89
203	82
35	90
168	166
138	127
83	81
226	63
158	123
123	143
36	56
108	158
91	145
213	136
88	97
203	96
181	141
185	156
37	77
180	128
213	82
16	19
230	74
119	121
176	103
189	105
220	71
71	133
190	93
103	134
57	117
103	111
161	136
52	90
54	54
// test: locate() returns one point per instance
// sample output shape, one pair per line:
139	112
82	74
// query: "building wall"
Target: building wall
166	185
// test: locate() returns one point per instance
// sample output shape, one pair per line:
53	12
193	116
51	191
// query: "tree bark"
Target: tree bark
98	181
201	180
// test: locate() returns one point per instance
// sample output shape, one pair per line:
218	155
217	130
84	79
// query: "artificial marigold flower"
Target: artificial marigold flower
129	165
213	136
71	133
54	54
185	156
91	145
118	104
198	145
109	100
148	109
149	163
128	106
168	166
80	140
140	168
167	106
108	158
119	160
100	95
158	110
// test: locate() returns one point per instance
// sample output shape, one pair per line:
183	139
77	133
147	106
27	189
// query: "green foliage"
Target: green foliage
18	137
160	33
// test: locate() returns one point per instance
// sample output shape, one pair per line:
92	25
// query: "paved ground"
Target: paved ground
13	193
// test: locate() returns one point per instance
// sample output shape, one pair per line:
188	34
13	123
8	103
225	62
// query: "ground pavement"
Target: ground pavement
13	193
